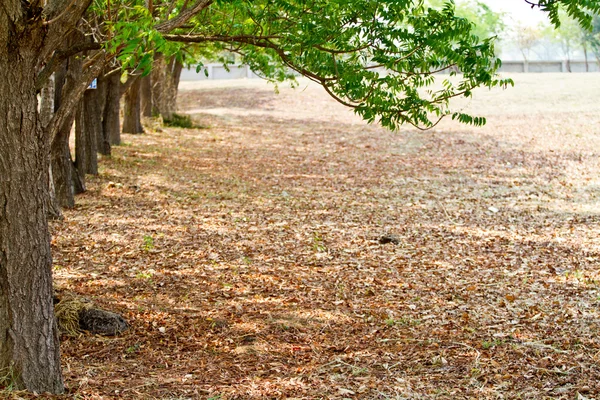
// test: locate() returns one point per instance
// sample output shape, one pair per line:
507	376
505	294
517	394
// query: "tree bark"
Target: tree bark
29	345
166	74
111	124
88	125
62	166
132	122
146	96
102	138
102	141
60	153
46	112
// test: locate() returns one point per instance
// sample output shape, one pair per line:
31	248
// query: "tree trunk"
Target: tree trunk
111	124
102	138
88	125
29	345
62	166
46	112
60	154
165	80
146	96
132	122
54	211
77	178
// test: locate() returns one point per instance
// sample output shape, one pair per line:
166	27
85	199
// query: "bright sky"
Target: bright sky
518	11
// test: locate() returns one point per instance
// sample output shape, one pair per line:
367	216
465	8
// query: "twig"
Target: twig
476	362
542	346
448	215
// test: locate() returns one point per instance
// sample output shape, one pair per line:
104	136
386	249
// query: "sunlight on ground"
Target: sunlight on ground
246	255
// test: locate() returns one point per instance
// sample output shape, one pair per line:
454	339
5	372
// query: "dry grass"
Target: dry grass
245	256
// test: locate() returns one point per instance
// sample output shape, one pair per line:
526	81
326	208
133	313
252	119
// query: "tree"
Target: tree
581	11
372	56
569	35
487	23
32	47
590	41
132	122
166	72
595	39
526	38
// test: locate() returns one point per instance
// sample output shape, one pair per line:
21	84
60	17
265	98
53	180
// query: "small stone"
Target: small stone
385	239
101	322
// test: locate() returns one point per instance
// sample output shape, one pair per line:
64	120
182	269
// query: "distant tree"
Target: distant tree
570	35
591	40
487	22
595	43
526	38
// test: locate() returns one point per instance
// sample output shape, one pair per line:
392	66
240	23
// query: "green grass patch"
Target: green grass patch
182	121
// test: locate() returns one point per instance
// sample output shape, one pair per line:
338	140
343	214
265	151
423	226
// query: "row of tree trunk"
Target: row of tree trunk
97	120
37	172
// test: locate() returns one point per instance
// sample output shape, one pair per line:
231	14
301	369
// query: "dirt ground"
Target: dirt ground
245	255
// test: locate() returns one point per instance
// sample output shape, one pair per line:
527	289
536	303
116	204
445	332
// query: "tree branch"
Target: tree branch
68	21
183	17
59	56
59	16
74	92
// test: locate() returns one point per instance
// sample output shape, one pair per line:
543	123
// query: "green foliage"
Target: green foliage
591	39
581	11
129	33
570	34
148	243
8	379
318	243
180	121
594	37
486	22
379	58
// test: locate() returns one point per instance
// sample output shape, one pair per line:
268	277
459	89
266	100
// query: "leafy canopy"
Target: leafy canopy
381	58
580	10
486	22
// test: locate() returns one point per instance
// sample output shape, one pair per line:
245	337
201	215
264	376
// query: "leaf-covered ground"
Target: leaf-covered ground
245	255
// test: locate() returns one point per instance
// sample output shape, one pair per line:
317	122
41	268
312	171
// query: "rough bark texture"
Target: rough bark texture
88	126
77	179
47	102
132	122
60	154
54	211
62	166
110	119
146	96
102	139
165	80
29	346
46	112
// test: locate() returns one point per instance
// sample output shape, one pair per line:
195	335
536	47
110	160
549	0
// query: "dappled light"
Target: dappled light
245	256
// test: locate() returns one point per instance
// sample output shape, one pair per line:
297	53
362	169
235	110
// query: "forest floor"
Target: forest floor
246	258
